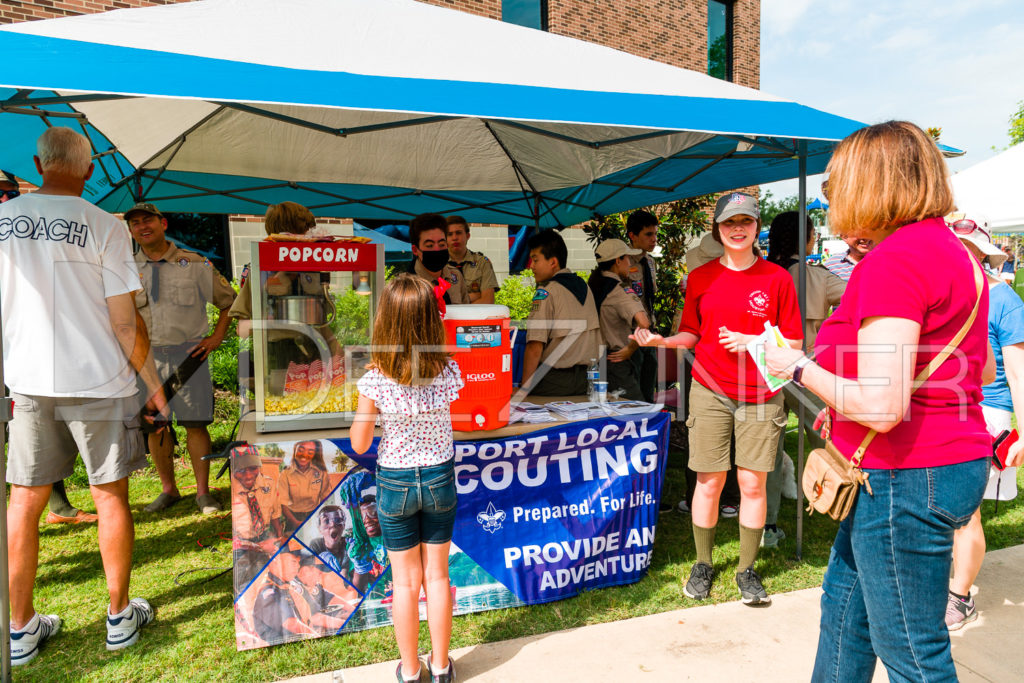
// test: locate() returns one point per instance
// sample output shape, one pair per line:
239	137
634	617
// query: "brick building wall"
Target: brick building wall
485	8
669	31
28	10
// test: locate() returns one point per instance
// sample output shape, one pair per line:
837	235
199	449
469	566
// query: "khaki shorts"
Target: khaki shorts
47	432
192	405
712	421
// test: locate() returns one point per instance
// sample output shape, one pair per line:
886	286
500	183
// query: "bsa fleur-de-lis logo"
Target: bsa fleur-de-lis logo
491	518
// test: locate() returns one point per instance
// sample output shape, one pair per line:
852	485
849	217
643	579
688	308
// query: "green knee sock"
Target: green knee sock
750	542
704	539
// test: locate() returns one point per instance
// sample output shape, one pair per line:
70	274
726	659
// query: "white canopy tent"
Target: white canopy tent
992	190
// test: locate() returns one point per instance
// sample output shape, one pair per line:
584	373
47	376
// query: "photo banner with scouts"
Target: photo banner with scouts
542	516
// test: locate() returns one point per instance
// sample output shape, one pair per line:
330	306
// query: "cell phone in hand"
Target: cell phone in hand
1001	448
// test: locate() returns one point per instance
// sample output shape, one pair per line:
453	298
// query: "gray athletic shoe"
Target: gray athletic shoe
751	590
959	613
771	539
698	587
207	504
162	502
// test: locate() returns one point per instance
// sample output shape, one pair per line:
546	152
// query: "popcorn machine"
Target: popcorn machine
313	304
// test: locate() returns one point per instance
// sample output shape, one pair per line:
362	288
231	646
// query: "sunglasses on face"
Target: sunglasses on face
967	227
8	194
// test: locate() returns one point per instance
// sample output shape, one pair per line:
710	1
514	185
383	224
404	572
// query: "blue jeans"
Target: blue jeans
416	505
888	575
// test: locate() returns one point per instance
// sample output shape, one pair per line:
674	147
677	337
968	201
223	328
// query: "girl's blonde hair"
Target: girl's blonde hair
408	333
288	217
884	177
318	454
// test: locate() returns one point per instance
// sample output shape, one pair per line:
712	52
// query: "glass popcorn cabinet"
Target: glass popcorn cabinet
313	305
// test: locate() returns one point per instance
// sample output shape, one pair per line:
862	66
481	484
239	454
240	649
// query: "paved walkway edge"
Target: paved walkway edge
728	642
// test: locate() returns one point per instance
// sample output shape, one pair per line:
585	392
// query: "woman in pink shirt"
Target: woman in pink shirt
886	584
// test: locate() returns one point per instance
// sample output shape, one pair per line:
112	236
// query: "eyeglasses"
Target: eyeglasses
967	226
8	194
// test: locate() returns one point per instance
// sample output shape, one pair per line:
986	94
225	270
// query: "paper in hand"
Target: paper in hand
755	348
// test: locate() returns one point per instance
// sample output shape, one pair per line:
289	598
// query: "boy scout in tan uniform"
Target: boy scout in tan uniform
456	294
620	312
255	515
428	237
481	283
642	232
177	284
563	331
479	274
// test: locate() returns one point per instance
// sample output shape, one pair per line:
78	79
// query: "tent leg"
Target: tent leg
802	295
5	597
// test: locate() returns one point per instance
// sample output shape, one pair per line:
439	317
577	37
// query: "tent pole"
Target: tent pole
802	295
5	596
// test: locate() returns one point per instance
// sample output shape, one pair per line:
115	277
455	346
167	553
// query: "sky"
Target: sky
952	64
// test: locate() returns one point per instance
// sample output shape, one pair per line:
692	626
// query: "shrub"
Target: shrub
517	293
679	222
352	321
224	360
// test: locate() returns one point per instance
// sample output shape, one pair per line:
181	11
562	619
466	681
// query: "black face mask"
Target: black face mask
435	260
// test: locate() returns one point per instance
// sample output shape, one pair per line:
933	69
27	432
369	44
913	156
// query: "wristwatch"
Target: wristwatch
798	371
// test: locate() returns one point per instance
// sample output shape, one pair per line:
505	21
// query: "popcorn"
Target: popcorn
341	398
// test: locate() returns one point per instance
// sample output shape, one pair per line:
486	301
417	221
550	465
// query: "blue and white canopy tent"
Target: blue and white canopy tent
386	109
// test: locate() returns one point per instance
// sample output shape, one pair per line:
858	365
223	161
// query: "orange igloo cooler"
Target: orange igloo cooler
479	335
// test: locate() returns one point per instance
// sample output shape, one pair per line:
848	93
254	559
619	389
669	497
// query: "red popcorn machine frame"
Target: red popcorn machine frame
313	305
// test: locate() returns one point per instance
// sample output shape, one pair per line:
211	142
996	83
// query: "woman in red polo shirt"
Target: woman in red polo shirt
728	302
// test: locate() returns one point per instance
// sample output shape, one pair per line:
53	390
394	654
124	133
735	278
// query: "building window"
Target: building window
529	13
720	39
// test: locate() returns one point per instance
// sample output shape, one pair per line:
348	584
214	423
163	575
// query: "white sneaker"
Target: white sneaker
123	629
26	642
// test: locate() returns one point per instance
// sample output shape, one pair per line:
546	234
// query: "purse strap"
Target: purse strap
926	372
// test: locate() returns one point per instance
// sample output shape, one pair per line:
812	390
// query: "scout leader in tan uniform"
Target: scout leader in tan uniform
563	332
177	284
428	234
620	312
481	283
642	232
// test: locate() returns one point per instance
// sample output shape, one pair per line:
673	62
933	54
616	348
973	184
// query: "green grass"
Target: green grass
193	635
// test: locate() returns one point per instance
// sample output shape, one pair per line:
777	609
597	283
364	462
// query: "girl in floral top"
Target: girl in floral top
410	386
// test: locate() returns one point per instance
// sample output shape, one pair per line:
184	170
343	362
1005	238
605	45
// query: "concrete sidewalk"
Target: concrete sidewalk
729	642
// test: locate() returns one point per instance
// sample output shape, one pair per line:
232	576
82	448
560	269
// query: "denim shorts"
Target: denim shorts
416	505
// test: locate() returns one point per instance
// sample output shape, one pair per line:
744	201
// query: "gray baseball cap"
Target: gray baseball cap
735	204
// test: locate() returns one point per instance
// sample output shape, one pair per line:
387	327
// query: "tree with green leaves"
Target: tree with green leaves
1016	131
678	223
770	208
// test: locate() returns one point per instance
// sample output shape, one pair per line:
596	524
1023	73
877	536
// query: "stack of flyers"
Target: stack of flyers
571	411
631	407
529	413
755	348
